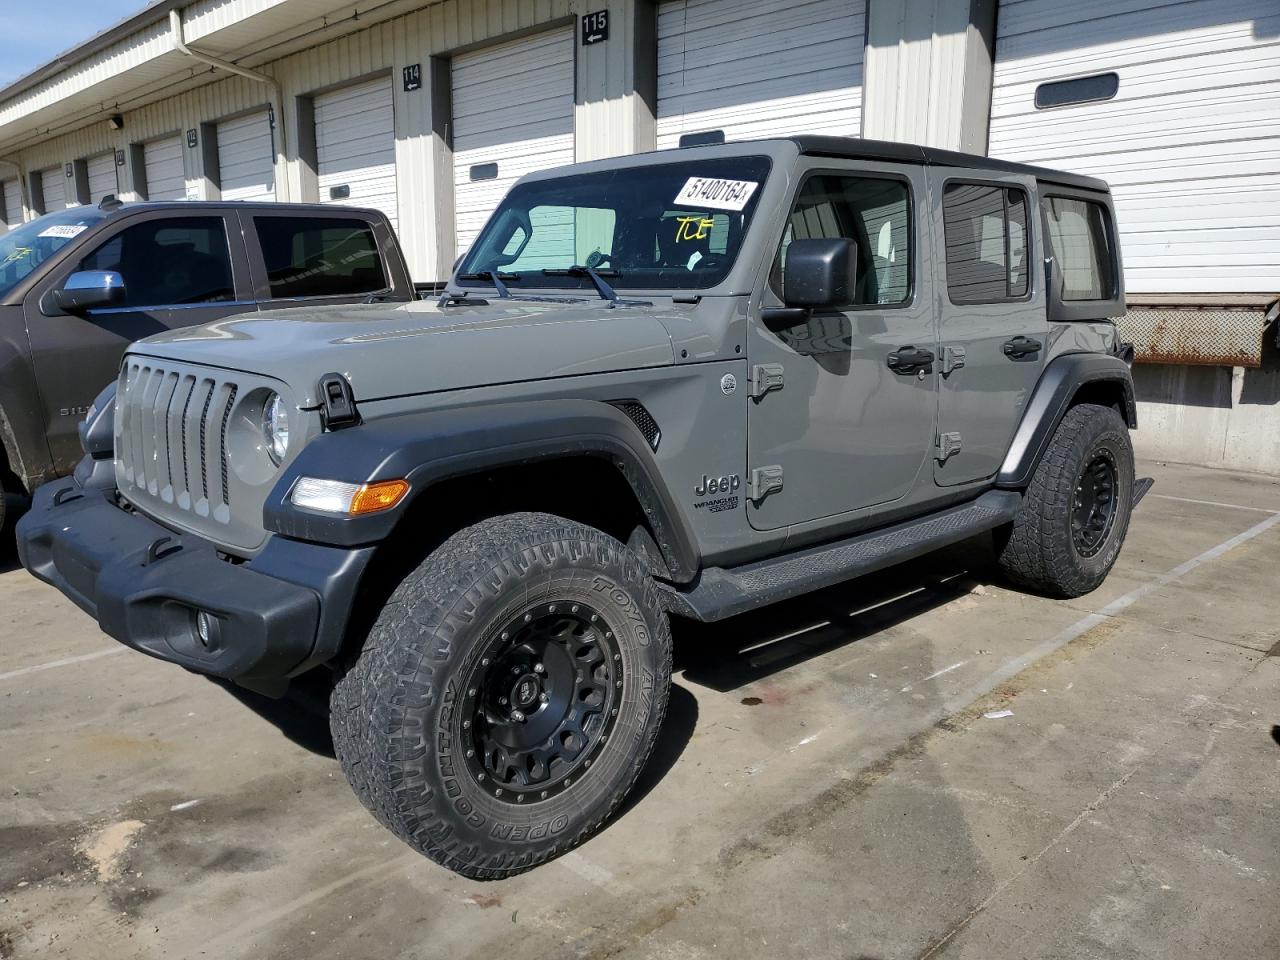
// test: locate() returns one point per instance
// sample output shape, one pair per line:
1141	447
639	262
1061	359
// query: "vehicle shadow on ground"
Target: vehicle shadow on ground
722	657
745	649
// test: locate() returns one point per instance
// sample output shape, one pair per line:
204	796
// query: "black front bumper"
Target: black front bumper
276	615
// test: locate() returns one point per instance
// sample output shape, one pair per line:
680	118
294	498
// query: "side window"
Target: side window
986	232
875	214
1079	238
170	262
319	256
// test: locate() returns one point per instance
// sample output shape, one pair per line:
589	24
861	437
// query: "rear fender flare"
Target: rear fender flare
427	448
1061	381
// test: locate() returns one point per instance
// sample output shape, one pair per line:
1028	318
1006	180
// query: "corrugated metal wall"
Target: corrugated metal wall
1190	143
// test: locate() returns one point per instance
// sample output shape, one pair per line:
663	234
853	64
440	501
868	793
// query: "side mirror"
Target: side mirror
820	273
90	289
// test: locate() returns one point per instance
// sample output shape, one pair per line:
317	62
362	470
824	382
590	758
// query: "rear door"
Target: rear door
179	270
993	321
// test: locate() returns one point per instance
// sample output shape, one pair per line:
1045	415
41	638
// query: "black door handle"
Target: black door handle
1020	347
909	359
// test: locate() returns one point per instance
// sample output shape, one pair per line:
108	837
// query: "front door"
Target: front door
178	271
836	424
993	326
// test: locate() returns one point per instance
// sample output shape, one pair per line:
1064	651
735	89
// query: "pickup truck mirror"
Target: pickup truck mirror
89	289
820	273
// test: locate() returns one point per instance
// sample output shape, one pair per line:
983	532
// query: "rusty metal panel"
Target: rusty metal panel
1205	335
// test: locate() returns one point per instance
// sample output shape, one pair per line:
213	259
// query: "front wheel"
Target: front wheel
1075	512
508	695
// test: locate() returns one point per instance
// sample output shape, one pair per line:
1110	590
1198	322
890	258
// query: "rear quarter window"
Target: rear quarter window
319	256
1080	239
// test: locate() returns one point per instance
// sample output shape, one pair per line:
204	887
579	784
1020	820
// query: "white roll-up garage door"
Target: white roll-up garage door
53	185
12	205
102	176
166	179
512	114
751	68
246	158
1189	139
356	147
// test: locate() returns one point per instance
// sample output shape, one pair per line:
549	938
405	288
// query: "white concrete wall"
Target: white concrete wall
1214	416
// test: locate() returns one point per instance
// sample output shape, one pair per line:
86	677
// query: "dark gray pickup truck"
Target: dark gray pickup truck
79	285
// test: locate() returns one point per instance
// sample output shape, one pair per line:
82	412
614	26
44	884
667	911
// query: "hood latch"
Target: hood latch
337	402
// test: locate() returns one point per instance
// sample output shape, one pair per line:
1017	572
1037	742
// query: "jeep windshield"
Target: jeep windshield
24	248
670	226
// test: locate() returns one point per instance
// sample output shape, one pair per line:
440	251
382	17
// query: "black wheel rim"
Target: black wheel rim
541	701
1094	508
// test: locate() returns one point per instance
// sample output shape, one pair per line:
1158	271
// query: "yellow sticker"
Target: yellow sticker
17	253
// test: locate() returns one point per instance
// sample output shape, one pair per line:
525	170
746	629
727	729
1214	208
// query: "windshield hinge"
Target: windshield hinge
337	402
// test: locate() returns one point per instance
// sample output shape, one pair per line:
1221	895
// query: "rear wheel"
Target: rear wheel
1075	513
508	696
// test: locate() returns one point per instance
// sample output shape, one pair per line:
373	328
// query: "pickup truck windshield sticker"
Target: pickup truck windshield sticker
16	254
65	230
716	194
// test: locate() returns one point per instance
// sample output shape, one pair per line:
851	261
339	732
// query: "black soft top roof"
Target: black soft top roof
855	148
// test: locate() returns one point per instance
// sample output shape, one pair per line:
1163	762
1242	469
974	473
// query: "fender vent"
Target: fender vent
641	417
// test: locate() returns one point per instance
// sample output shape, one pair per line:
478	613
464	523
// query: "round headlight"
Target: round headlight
275	427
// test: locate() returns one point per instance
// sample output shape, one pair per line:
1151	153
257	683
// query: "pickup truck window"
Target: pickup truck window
25	247
657	227
319	256
875	213
986	231
1079	237
169	262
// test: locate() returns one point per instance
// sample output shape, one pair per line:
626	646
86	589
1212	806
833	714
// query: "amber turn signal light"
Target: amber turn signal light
375	497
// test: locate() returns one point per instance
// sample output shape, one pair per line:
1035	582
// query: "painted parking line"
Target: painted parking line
1082	626
1213	503
65	662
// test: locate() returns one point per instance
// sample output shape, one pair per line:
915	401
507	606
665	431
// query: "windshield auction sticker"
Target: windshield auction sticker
715	194
64	230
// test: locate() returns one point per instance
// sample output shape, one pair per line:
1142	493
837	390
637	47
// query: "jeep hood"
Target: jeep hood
389	350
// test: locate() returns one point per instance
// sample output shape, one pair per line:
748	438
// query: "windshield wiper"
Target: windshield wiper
596	276
494	277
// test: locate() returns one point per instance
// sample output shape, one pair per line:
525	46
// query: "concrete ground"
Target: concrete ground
827	783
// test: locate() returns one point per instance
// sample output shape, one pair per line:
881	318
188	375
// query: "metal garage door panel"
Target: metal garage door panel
1190	143
356	147
512	106
162	160
102	176
246	158
752	70
53	184
12	204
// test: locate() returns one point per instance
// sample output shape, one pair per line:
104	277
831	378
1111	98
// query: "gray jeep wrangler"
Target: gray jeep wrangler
686	383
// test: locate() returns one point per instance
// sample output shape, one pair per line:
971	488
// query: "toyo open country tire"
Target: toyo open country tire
508	694
1075	513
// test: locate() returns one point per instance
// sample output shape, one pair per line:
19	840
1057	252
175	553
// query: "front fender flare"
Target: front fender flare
426	448
1058	385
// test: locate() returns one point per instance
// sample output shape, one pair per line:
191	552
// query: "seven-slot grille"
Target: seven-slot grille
172	436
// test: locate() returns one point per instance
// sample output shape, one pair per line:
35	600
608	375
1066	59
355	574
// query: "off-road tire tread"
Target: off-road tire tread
1037	553
364	701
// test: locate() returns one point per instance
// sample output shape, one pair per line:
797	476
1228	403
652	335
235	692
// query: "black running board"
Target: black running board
1140	488
720	593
